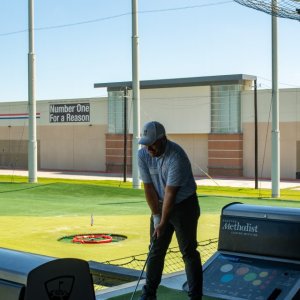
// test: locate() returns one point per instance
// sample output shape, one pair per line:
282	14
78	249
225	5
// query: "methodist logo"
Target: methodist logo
77	112
237	227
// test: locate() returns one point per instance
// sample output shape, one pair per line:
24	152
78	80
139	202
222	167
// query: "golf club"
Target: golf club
138	282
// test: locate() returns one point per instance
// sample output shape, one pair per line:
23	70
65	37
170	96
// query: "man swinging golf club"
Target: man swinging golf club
170	192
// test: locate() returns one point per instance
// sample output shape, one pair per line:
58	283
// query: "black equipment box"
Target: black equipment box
258	255
261	230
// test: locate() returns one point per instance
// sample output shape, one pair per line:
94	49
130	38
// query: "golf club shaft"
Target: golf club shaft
140	277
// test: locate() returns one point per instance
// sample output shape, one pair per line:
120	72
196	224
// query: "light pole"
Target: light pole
275	108
32	144
136	183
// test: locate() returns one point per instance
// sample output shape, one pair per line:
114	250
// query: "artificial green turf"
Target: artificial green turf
71	197
214	204
264	194
285	194
30	214
163	293
33	217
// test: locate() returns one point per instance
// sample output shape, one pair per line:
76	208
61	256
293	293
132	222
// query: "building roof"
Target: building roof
178	82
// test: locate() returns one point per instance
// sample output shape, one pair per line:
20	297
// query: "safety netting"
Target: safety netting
289	9
173	261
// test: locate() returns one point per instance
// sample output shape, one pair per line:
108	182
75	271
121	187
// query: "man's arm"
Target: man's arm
151	198
168	204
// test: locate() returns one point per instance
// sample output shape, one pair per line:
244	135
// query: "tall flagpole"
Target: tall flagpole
275	108
32	144
136	183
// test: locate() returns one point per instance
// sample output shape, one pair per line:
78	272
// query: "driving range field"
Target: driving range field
34	217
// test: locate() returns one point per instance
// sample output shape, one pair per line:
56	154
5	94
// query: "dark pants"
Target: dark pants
184	221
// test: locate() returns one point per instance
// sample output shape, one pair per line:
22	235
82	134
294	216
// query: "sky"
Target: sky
79	43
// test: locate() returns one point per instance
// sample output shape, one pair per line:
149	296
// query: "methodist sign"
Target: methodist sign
67	113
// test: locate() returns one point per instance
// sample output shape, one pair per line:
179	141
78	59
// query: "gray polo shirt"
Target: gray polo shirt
172	168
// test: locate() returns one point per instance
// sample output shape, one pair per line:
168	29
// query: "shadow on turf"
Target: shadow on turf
22	189
163	293
124	202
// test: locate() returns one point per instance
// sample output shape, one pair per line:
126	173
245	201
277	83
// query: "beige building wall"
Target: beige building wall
13	147
185	112
73	145
289	116
196	147
61	145
14	135
298	156
181	110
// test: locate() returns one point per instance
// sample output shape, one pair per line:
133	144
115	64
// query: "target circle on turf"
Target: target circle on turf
93	238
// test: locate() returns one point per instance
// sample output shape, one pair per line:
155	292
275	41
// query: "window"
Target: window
116	112
226	109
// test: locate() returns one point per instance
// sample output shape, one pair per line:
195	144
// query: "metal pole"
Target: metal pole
136	183
125	136
32	144
255	135
275	108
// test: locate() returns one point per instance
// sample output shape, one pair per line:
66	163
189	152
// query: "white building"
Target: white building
211	117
